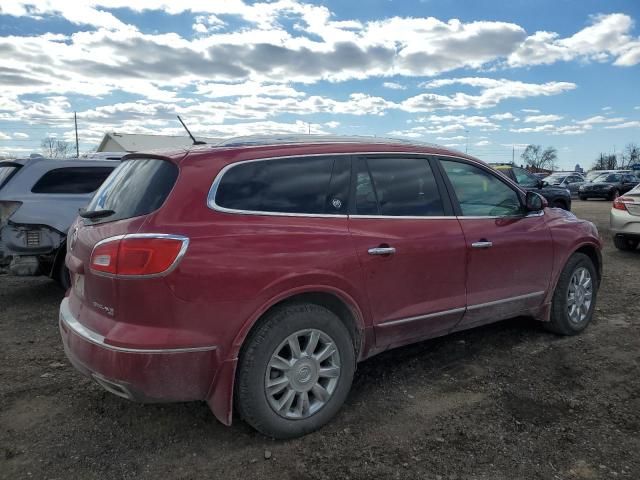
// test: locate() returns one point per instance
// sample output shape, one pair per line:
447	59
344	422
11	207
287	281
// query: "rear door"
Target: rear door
509	252
410	247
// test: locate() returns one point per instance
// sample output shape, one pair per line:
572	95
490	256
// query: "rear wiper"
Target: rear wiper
91	214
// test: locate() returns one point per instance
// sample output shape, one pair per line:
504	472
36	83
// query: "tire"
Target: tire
583	198
559	204
561	321
613	195
62	276
270	336
625	243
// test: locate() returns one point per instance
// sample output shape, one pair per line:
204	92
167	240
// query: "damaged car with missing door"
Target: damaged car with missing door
39	199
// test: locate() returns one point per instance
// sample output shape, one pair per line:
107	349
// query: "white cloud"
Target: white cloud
492	92
599	119
542	118
394	86
504	116
457	137
609	36
554	129
606	109
20	135
631	124
4	136
530	110
482	143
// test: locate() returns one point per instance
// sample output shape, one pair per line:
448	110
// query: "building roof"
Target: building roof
135	142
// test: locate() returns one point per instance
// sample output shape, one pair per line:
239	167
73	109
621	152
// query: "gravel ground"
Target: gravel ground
506	401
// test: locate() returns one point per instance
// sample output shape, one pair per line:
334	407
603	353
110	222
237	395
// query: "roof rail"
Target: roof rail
263	140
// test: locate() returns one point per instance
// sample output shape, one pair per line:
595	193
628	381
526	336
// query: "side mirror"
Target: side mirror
535	202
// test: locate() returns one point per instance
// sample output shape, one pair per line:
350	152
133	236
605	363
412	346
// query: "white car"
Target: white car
625	220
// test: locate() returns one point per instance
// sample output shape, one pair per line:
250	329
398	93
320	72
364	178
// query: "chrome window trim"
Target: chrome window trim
172	267
89	335
404	217
477	306
213	190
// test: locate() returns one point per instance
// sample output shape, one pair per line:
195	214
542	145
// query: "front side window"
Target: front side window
397	187
304	185
524	178
75	180
481	193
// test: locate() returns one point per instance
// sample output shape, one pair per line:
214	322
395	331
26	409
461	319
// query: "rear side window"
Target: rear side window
397	187
72	180
305	185
136	187
6	173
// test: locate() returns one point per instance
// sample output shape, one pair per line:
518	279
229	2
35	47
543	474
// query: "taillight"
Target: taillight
620	203
7	209
138	254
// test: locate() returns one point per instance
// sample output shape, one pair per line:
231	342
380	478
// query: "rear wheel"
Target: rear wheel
574	299
613	195
295	371
625	243
559	204
583	197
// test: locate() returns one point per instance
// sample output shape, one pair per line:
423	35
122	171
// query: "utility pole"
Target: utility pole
513	154
466	147
75	121
309	126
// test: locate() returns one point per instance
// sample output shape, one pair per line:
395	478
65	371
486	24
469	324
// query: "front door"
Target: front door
509	250
410	247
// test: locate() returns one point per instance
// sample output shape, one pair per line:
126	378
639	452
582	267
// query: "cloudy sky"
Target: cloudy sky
472	74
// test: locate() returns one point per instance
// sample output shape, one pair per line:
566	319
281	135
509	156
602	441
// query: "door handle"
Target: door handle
482	244
382	251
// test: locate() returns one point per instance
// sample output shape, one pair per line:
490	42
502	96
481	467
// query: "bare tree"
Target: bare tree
606	161
537	158
630	155
54	148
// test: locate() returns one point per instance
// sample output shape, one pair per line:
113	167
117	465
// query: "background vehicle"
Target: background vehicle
558	197
608	185
592	174
258	272
39	199
625	220
569	180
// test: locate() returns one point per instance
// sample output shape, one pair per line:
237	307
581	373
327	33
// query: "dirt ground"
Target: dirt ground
507	401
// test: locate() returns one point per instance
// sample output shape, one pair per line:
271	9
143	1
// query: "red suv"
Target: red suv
258	272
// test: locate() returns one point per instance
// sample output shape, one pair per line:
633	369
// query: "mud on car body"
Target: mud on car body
39	199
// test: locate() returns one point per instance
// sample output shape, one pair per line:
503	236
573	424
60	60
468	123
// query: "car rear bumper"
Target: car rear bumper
623	223
149	375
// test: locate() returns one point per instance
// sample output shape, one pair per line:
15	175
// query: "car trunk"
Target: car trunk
135	189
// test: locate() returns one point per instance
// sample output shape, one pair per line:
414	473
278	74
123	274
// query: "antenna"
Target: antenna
195	142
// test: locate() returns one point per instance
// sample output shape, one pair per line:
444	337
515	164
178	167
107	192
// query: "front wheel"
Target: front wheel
295	371
574	299
559	204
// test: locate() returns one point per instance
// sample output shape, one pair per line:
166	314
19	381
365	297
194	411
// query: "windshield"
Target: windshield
555	178
608	177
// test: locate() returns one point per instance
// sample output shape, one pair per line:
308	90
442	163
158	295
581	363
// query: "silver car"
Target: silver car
39	199
625	220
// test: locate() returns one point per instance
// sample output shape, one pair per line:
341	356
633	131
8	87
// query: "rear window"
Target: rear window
305	185
136	187
6	173
72	180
